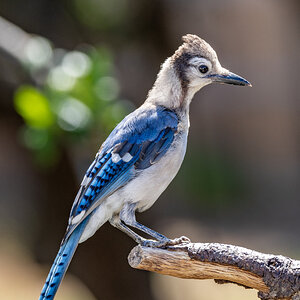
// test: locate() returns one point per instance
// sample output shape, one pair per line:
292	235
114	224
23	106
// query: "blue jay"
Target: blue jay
141	156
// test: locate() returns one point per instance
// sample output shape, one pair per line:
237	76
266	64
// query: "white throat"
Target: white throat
167	89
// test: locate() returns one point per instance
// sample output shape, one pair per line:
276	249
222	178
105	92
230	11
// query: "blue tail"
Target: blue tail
61	263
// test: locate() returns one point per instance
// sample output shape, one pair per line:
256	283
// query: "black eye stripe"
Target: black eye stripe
203	69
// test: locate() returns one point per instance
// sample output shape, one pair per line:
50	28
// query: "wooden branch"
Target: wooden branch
274	276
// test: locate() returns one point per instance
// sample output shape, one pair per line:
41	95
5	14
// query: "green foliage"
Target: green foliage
78	94
34	107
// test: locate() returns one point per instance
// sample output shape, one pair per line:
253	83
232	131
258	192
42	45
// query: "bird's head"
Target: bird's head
196	64
193	65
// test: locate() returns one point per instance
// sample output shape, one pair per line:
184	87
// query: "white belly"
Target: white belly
144	189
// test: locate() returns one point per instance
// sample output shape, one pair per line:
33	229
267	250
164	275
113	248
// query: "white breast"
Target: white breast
151	182
144	189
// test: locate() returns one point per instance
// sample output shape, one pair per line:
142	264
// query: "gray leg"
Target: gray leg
116	222
127	215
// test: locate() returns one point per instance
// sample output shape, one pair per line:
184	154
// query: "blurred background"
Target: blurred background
70	71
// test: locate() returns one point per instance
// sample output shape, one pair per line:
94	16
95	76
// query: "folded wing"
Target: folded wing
139	141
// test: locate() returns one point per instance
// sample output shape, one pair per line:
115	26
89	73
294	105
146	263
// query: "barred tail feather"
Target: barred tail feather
61	263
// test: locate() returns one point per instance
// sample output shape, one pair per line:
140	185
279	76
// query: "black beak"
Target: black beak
229	78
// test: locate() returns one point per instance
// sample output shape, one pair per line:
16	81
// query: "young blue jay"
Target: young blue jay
141	156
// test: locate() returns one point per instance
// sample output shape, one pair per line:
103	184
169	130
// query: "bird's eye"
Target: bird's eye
203	69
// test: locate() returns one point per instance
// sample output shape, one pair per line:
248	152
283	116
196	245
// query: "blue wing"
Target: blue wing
137	142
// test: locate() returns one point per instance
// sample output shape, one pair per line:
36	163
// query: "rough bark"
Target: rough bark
274	276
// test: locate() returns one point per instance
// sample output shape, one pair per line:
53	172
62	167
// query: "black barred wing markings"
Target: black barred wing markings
91	173
106	176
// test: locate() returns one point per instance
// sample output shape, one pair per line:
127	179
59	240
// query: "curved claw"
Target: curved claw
178	241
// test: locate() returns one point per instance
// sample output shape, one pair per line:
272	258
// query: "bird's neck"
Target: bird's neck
169	90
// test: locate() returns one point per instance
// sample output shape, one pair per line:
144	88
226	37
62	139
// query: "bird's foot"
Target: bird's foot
178	241
165	243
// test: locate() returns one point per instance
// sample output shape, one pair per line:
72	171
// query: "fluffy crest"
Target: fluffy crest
195	46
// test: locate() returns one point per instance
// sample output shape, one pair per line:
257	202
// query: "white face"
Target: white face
199	68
